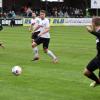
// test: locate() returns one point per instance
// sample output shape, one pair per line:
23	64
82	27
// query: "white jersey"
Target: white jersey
45	24
35	22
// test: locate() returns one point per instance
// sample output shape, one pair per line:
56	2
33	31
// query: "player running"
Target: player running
95	63
34	23
44	36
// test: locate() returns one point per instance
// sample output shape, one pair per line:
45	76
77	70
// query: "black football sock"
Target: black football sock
94	77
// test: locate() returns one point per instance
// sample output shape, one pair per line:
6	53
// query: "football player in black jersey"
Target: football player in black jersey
94	64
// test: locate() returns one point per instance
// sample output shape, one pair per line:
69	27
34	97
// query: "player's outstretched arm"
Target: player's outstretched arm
89	28
92	30
45	31
36	27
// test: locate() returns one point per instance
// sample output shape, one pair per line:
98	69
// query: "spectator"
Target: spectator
66	14
61	14
12	23
29	12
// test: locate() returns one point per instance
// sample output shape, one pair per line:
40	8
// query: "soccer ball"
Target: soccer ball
16	70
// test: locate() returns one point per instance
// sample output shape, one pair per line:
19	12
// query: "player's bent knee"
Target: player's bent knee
34	45
87	72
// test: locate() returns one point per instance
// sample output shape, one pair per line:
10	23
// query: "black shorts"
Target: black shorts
35	35
94	64
44	41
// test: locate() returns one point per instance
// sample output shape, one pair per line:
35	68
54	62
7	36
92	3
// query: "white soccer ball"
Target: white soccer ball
16	70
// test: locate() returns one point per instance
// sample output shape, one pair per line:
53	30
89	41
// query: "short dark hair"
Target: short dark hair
96	21
43	11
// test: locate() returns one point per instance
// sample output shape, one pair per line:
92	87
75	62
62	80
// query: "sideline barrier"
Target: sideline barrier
63	21
78	21
53	21
6	22
57	21
27	21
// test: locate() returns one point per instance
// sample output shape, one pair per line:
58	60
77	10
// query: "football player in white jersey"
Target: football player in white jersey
44	36
34	23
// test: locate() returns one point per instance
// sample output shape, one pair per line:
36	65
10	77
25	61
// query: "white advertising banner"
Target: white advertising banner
78	21
63	21
7	21
95	4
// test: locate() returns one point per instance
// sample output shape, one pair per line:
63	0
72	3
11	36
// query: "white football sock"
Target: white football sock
50	53
35	50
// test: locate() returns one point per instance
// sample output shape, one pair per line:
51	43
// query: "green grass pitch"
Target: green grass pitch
43	80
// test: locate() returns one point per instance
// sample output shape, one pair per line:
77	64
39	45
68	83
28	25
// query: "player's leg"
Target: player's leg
49	52
99	74
11	23
35	49
93	84
14	23
88	72
36	42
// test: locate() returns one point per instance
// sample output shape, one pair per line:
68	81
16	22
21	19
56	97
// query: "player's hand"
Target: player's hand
89	28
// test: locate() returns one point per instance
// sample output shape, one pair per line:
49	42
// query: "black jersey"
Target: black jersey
97	34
